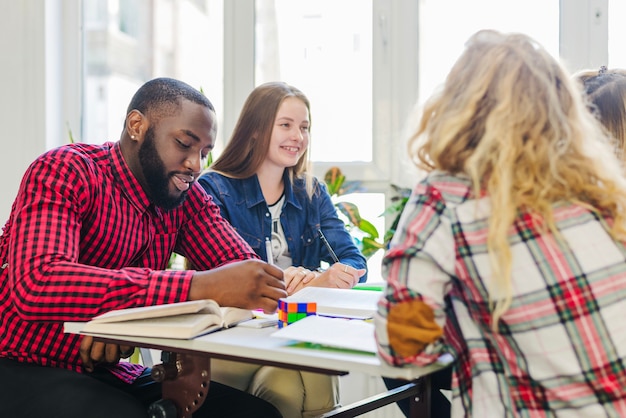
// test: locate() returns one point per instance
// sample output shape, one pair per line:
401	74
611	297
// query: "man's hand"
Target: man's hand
94	353
248	284
298	277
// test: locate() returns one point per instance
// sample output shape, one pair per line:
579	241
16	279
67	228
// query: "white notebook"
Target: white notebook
346	303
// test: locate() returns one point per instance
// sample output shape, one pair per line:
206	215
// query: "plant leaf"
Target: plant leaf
396	207
388	236
350	186
350	211
334	179
402	191
367	227
369	247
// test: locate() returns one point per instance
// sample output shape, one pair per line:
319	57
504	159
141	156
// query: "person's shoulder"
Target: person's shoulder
453	188
196	196
299	187
208	190
213	180
79	149
211	175
78	154
320	189
299	183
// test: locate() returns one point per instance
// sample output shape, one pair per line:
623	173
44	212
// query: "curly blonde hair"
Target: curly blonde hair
511	118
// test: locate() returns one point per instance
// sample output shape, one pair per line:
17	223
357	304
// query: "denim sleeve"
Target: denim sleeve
337	235
209	186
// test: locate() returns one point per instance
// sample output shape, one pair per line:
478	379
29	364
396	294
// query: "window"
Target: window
362	63
324	48
128	42
443	33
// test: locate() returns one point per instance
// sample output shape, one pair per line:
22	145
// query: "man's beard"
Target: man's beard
157	180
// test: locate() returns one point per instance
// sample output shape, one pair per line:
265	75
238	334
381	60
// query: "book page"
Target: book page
174	320
351	334
183	326
232	316
156	311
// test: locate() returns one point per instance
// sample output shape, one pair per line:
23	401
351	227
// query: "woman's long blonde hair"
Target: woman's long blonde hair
510	117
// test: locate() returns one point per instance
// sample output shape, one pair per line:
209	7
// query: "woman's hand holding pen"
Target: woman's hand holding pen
340	276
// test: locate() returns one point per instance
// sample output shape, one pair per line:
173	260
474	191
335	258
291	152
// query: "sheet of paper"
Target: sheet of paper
351	334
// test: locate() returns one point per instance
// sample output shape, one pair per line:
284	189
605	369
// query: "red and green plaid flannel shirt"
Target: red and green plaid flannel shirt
561	347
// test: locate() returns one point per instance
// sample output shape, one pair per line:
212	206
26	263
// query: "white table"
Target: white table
186	376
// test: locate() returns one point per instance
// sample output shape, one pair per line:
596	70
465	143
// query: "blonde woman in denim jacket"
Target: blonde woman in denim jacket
262	187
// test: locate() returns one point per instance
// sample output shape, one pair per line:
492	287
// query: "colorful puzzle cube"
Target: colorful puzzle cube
290	312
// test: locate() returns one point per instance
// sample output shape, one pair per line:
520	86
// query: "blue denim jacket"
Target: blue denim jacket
241	202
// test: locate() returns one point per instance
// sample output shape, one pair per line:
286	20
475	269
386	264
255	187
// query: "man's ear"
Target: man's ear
136	124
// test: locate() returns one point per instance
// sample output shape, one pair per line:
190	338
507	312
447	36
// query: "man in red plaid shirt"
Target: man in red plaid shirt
92	230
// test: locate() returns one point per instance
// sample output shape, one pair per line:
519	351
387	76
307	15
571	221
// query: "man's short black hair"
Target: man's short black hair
162	97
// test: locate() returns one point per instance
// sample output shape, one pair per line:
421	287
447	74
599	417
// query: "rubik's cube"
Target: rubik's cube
290	312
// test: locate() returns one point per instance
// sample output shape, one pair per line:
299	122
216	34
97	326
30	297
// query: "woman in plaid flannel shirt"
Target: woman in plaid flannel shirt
510	253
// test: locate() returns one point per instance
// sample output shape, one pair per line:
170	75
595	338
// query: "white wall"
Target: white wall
23	104
40	84
584	33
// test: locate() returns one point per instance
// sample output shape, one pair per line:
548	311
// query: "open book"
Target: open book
182	320
346	303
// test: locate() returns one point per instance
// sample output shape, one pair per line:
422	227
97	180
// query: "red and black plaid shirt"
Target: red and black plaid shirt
83	239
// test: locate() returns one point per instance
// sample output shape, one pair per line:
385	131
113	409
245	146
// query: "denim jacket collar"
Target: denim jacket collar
254	196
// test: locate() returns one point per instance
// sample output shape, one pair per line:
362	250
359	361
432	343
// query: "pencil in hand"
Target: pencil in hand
327	244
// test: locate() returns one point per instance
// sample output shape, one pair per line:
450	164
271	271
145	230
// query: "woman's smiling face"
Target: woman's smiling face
290	133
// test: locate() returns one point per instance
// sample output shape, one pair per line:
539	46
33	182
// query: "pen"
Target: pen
268	250
327	244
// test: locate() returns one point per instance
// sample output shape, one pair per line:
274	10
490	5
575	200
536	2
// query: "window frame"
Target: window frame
393	96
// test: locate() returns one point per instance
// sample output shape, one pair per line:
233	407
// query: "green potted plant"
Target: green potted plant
365	233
